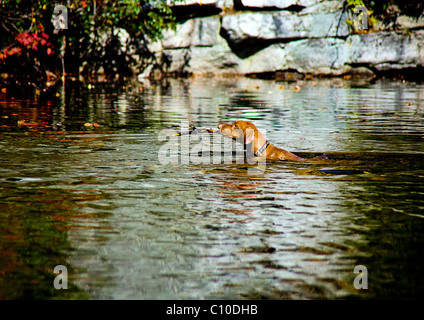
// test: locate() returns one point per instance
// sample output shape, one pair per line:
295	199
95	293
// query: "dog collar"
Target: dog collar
262	149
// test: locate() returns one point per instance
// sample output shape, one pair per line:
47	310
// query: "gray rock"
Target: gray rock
316	41
270	59
216	60
406	22
220	4
193	32
174	61
387	50
324	7
311	56
283	26
197	47
325	56
225	4
279	4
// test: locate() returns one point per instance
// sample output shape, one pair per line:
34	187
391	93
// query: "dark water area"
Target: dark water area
83	184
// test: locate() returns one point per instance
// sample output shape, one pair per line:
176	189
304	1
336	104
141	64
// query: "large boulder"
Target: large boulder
256	28
196	47
326	56
192	33
310	56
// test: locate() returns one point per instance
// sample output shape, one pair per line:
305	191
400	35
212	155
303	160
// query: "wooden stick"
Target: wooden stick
193	130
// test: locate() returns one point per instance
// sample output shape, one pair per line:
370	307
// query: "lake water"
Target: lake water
82	185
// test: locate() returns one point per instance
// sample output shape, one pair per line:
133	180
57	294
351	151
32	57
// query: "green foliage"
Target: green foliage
388	11
91	42
354	3
143	21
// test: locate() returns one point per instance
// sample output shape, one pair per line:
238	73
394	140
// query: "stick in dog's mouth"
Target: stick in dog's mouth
193	130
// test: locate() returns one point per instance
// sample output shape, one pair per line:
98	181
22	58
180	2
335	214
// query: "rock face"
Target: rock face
261	29
272	36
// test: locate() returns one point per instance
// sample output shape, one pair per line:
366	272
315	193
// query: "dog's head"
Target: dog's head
241	130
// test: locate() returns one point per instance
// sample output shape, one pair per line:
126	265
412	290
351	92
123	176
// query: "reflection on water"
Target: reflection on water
81	185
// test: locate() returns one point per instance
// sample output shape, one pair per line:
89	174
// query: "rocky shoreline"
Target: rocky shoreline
285	39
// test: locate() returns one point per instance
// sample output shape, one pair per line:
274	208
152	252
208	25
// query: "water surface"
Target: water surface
81	185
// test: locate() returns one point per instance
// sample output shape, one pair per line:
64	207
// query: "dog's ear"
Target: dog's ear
249	135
